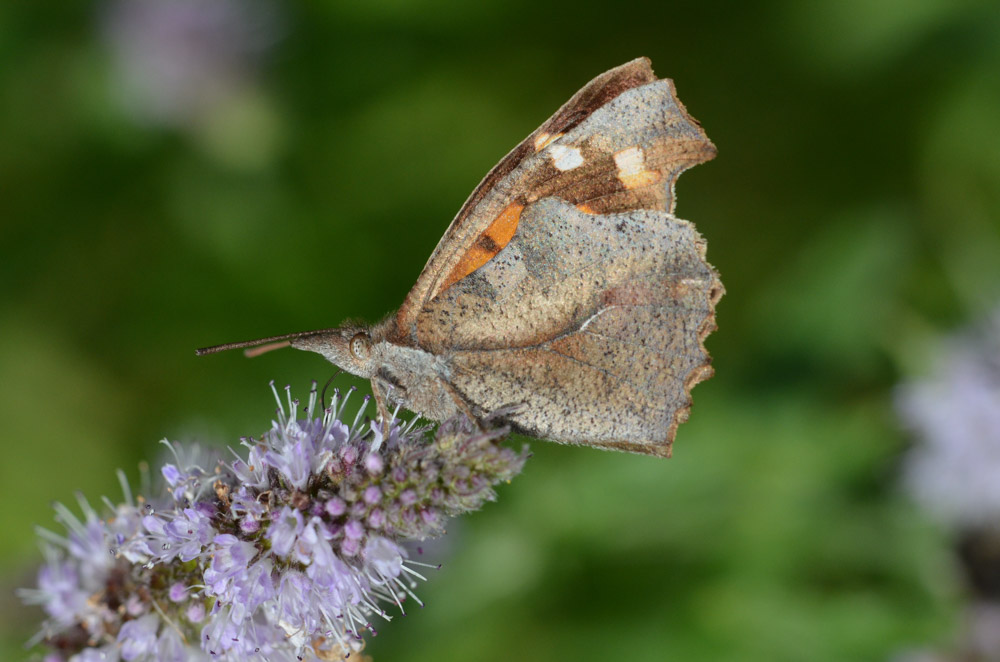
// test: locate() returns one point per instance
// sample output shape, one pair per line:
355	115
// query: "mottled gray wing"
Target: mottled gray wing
593	323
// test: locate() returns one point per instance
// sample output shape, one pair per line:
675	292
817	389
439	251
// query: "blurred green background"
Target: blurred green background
166	185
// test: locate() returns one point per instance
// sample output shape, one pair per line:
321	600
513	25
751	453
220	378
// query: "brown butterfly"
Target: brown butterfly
565	294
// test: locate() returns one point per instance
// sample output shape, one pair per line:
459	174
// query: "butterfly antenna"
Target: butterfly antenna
261	345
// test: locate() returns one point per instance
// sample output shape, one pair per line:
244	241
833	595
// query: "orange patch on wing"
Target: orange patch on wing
632	171
489	243
640	179
586	209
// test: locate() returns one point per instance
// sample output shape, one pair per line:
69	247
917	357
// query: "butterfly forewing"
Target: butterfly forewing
512	179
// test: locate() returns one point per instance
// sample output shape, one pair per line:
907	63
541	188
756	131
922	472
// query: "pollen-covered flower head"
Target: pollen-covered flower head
287	552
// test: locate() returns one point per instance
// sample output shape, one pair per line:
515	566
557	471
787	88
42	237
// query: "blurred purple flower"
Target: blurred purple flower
175	60
954	468
285	555
138	637
58	592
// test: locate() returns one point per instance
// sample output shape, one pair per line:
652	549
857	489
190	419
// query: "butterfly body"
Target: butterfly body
403	375
565	294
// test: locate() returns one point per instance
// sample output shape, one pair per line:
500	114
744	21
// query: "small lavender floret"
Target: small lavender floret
286	553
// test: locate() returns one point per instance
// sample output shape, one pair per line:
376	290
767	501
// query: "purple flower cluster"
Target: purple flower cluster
176	62
285	553
954	468
953	471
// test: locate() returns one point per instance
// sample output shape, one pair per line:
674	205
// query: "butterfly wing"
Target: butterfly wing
626	107
566	284
595	322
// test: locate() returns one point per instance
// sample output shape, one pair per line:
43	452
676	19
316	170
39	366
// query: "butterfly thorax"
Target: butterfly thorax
415	379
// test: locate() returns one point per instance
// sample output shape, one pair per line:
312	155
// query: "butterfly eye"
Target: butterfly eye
360	346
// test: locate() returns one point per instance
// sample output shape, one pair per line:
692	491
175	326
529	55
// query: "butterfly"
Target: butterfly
565	298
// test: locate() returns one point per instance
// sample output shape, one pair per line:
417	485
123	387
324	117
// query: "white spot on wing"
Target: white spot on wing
630	162
565	158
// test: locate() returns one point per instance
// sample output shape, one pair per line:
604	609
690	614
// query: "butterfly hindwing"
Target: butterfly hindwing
602	320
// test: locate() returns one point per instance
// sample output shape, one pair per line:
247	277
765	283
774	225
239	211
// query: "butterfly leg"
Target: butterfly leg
380	391
462	405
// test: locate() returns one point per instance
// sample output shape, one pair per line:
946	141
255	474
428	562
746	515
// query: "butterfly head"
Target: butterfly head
351	348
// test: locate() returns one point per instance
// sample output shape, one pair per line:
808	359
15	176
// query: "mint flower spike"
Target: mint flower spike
286	552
